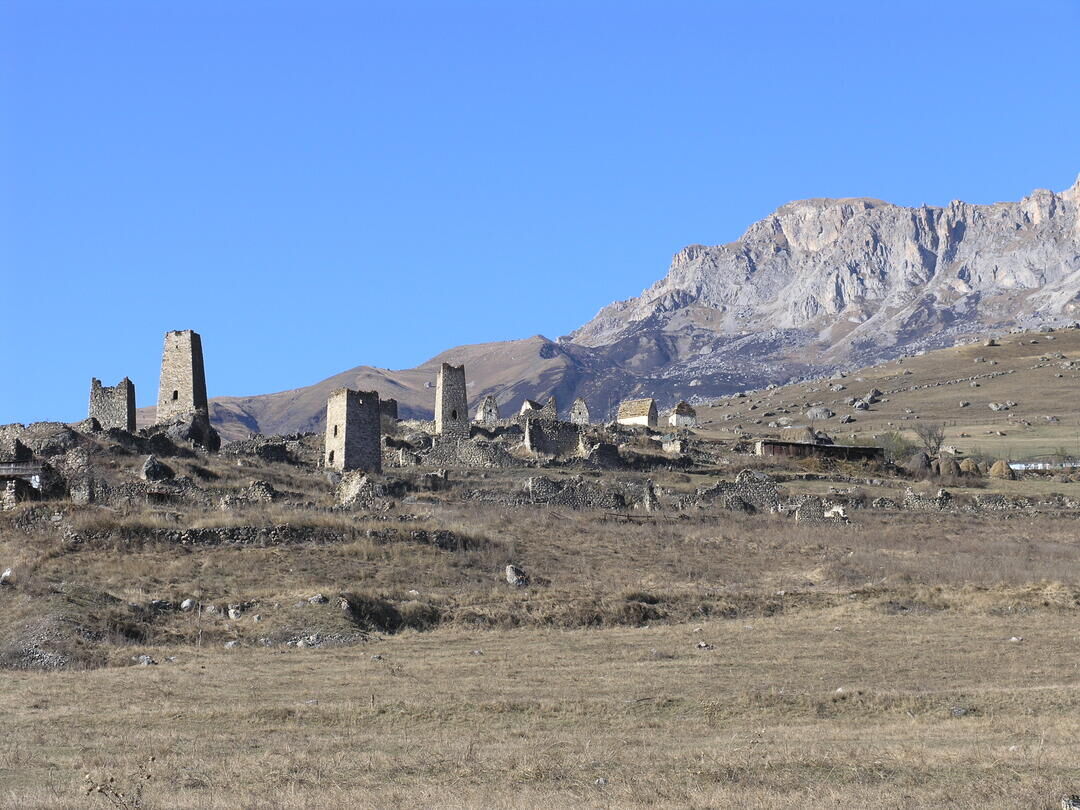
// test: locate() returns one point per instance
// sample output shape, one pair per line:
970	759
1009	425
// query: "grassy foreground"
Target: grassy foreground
846	707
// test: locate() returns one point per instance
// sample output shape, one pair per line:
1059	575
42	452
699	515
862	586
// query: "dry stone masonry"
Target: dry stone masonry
182	389
488	412
579	412
113	406
353	431
451	403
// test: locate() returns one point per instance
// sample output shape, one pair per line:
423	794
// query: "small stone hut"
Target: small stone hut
683	415
637	412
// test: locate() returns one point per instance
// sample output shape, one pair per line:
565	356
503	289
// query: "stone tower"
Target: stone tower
451	403
488	412
352	431
113	407
182	390
579	412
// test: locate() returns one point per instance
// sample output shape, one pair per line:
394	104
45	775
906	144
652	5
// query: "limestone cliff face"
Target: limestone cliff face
862	273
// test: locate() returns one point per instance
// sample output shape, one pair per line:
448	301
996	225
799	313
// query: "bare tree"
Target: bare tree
931	437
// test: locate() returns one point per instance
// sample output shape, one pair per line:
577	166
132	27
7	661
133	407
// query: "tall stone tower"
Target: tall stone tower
451	403
182	390
352	431
113	406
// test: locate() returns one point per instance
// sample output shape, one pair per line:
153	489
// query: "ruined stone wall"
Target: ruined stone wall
352	431
469	453
182	388
754	489
574	493
451	403
113	406
551	438
579	412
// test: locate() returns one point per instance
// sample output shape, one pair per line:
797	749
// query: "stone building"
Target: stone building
488	412
113	406
388	408
579	412
353	431
683	416
637	412
534	410
552	438
182	390
451	403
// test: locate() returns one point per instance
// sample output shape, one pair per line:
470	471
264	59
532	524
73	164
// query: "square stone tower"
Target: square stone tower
182	390
451	403
113	406
353	431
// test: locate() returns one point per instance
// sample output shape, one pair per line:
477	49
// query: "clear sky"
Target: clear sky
318	185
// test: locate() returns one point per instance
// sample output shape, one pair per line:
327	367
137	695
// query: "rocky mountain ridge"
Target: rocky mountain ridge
818	285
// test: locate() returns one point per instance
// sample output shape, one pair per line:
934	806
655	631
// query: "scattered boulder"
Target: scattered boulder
819	412
154	470
187	605
948	467
317	599
516	576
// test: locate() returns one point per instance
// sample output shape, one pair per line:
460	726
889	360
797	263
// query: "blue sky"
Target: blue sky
314	186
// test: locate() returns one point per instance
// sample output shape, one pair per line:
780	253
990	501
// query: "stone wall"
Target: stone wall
573	493
388	408
182	388
579	412
113	406
754	489
451	402
550	438
353	431
469	453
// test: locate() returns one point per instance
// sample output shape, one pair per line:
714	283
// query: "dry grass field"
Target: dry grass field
868	665
695	657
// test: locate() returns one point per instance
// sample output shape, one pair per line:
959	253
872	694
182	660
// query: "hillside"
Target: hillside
818	286
1037	372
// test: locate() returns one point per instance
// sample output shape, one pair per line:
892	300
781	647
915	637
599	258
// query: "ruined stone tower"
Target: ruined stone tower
451	403
488	412
182	390
113	406
579	412
352	431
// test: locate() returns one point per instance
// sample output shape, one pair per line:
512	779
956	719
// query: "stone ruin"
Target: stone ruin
534	410
353	428
182	410
488	412
388	408
573	493
113	406
749	488
548	437
579	412
451	403
182	387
